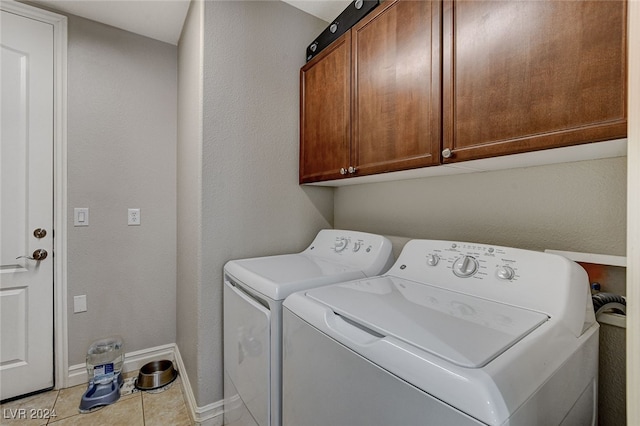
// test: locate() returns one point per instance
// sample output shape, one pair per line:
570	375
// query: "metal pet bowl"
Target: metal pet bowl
156	374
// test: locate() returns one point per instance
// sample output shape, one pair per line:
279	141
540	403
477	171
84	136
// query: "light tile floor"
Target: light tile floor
139	408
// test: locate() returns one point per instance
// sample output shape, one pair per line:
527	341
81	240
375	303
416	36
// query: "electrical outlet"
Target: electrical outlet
134	217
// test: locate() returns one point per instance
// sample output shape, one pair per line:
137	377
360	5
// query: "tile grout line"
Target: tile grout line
144	420
53	407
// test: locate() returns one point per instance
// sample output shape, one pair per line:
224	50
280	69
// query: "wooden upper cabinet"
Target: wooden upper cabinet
526	75
396	87
371	101
325	109
472	79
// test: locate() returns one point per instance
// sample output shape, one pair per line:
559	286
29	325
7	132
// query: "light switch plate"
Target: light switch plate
81	216
80	303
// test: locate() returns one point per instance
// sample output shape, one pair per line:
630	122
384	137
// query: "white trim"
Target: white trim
60	199
633	217
600	259
133	361
59	23
209	415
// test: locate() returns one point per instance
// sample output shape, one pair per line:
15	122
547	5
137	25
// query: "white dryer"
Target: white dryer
454	334
254	290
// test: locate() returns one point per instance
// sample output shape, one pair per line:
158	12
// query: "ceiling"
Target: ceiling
327	10
163	19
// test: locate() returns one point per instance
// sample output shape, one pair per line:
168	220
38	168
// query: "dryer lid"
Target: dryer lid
462	329
278	276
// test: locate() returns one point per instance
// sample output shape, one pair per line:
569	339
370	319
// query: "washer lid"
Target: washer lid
278	276
464	330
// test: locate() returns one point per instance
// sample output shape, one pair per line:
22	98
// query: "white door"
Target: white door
26	205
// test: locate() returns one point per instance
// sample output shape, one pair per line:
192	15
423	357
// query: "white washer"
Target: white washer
454	334
254	290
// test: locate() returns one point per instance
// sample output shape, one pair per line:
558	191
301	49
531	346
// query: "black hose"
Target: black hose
601	299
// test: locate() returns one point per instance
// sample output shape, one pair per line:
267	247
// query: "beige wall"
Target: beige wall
189	172
121	154
578	206
244	192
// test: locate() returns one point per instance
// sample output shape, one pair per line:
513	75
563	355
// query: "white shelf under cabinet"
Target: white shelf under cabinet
599	259
589	151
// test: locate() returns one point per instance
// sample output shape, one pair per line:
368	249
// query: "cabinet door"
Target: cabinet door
396	87
527	75
325	108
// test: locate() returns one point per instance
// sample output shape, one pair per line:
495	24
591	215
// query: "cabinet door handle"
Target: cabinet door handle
352	169
343	171
447	153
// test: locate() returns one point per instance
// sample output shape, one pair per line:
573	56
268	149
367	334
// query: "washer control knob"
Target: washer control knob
505	272
465	266
433	259
341	244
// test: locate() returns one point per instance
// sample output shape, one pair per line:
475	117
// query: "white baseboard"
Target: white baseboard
209	415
